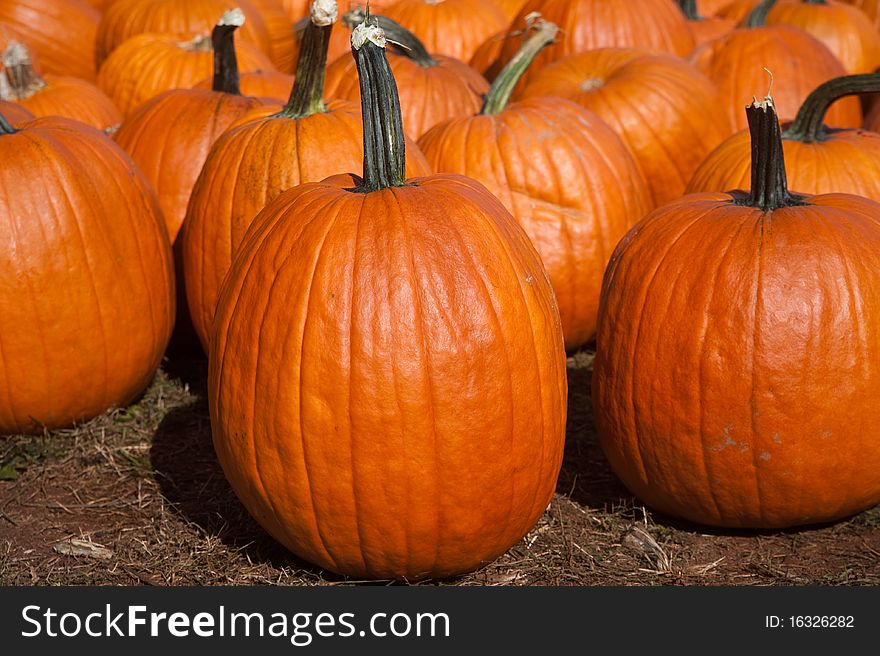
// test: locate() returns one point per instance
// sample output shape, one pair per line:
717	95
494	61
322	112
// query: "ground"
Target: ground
136	497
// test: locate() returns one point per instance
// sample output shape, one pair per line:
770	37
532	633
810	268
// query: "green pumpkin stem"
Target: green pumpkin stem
225	62
384	147
689	9
544	33
808	126
769	185
307	95
758	16
6	126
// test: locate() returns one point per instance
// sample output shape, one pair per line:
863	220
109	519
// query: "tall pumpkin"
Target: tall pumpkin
737	372
87	300
398	411
819	160
563	173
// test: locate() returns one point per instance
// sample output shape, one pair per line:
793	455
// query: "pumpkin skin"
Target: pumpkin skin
454	28
279	28
566	177
799	64
845	30
87	304
872	120
871	8
590	24
670	115
14	113
149	64
125	19
738	352
417	419
61	33
273	85
510	8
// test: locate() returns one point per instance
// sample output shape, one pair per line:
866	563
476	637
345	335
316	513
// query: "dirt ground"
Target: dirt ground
136	497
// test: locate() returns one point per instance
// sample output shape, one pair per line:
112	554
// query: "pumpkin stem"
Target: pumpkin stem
404	41
384	148
503	86
808	126
5	126
19	80
225	61
307	95
769	184
689	9
758	16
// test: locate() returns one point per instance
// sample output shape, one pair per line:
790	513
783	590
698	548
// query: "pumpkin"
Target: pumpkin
589	24
454	28
279	28
669	114
871	8
169	136
60	32
272	85
264	152
125	19
819	160
485	59
398	411
738	352
798	63
872	120
432	87
704	28
87	301
845	30
148	64
510	8
54	95
563	173
712	7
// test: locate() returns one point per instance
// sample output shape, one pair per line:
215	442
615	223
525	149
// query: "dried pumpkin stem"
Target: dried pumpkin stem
20	80
225	62
808	126
544	33
384	147
307	95
404	41
769	184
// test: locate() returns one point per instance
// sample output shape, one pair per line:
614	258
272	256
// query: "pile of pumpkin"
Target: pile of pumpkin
388	226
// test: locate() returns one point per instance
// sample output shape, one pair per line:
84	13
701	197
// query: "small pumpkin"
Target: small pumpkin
819	160
737	369
398	411
53	94
87	300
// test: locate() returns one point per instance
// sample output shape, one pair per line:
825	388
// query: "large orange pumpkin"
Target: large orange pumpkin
87	300
432	88
265	152
819	160
669	114
397	411
54	95
562	172
737	372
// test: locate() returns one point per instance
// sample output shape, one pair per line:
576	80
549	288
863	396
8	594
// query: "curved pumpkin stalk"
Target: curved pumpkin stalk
808	126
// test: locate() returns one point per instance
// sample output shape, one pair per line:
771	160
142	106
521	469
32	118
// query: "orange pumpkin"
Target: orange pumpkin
169	136
510	8
798	63
563	173
738	354
589	24
148	64
819	160
871	8
54	95
279	28
704	28
398	411
87	300
454	28
263	153
669	114
258	84
60	32
432	87
14	113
